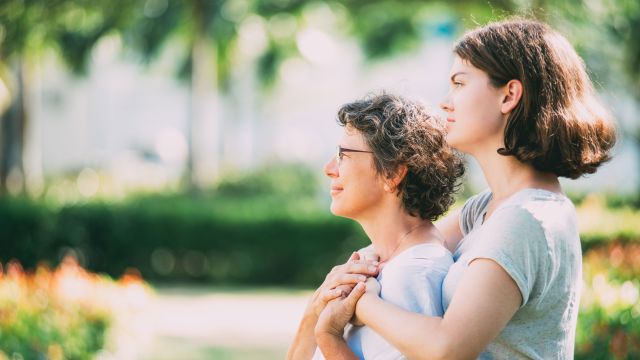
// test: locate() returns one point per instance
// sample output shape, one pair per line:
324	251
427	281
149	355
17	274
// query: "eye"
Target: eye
457	84
340	155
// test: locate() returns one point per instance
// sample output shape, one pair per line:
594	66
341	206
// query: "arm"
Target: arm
334	347
484	302
329	330
449	227
337	283
304	343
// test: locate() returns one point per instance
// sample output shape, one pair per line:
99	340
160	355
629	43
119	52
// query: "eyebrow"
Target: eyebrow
456	74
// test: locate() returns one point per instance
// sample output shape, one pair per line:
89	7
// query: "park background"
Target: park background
161	182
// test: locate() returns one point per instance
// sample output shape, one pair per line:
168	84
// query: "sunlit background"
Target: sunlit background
161	185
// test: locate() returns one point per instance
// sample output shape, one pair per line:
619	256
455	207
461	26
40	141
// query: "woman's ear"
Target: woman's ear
512	96
392	182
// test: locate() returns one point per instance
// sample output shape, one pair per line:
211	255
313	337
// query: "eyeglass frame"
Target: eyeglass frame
340	152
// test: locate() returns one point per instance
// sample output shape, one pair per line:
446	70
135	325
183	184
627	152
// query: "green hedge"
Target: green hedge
216	239
271	227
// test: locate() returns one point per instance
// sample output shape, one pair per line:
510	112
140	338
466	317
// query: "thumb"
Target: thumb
355	294
354	256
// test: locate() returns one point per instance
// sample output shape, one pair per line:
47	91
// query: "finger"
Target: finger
372	285
371	257
369	269
332	294
355	294
348	279
345	289
354	256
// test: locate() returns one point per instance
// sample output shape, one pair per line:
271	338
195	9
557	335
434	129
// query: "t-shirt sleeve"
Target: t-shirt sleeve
515	239
416	287
472	209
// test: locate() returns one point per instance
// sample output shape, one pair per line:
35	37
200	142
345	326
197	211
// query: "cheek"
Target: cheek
358	197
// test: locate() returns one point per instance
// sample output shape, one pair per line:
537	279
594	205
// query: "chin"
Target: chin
339	211
451	141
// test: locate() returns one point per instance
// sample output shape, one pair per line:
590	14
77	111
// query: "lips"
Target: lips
336	190
451	120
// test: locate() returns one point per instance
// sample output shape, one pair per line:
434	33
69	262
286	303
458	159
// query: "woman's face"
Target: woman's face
475	122
356	187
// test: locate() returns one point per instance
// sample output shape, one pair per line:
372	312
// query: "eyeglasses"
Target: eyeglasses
340	152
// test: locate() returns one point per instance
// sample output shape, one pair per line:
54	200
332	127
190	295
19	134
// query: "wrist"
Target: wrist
327	338
364	304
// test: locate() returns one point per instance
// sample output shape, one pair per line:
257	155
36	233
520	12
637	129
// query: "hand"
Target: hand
337	313
372	286
340	281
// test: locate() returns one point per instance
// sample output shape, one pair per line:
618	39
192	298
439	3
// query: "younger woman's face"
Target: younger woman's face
475	122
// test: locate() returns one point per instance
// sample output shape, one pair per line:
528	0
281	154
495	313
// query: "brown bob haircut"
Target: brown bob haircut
559	126
401	132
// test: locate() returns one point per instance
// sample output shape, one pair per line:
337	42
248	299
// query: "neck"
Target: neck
392	230
506	175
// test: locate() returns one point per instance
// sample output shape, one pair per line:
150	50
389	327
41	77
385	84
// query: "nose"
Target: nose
331	168
446	105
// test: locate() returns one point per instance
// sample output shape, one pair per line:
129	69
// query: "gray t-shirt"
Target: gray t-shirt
534	236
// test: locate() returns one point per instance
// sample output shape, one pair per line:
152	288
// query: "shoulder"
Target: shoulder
472	208
533	212
419	271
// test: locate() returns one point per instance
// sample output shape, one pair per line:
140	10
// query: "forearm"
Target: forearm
304	343
334	347
417	336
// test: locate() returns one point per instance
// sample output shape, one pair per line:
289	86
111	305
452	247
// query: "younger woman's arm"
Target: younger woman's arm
485	300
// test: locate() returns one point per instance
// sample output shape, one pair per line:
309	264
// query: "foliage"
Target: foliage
285	180
609	319
264	240
61	314
600	224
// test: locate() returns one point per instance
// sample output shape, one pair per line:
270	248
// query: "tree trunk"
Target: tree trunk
202	130
14	121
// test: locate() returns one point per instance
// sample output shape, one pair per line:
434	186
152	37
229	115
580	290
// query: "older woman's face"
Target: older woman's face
356	188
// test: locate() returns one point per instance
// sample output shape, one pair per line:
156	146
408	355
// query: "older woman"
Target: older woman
394	175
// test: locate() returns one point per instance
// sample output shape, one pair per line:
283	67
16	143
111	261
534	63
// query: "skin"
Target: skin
486	297
358	192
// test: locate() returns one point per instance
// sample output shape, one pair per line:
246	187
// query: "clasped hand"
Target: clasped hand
335	300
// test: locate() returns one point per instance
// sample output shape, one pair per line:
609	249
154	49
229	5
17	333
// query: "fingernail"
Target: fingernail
362	278
372	268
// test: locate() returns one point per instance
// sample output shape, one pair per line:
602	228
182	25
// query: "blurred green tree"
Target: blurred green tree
210	30
27	29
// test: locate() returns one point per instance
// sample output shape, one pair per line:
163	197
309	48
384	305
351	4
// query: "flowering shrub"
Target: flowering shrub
61	314
609	320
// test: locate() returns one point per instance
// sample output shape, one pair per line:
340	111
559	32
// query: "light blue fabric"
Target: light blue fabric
413	281
534	237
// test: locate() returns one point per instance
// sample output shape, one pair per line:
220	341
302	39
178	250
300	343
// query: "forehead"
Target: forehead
352	136
462	66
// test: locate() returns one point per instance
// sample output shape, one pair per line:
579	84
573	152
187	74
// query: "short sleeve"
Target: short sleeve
471	209
515	239
416	288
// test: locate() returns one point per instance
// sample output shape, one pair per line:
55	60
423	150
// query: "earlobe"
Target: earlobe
512	96
392	183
